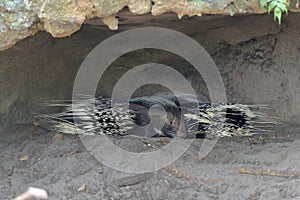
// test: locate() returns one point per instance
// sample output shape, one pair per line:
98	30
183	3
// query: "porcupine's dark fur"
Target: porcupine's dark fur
96	117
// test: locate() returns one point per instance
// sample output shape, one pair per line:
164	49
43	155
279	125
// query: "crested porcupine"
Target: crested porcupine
197	116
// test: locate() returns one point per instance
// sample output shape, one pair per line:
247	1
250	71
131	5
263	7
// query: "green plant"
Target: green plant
278	6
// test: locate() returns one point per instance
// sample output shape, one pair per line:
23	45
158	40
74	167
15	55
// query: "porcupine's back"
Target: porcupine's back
212	119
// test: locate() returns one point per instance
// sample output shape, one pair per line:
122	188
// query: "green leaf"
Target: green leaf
279	6
282	1
277	14
263	3
271	6
282	7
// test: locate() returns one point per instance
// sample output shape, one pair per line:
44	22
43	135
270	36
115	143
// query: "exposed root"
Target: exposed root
267	172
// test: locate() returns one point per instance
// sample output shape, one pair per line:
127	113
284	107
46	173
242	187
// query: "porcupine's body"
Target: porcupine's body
96	117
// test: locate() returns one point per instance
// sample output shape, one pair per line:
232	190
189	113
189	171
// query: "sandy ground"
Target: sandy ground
263	167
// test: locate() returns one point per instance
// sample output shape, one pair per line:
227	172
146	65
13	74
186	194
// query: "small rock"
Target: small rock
36	124
32	193
23	158
81	188
57	136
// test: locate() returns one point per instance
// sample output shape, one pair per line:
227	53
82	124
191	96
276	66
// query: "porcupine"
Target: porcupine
96	117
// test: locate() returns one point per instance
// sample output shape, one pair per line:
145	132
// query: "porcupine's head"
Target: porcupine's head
157	116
